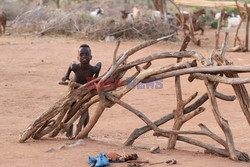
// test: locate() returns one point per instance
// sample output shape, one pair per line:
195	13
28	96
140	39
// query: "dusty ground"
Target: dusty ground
30	69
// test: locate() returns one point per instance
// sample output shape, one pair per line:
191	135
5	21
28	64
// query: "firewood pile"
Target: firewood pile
213	71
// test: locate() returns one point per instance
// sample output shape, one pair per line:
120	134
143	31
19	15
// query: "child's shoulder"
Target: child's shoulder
97	66
74	65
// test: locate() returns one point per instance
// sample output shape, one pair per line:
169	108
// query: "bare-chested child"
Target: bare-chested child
83	72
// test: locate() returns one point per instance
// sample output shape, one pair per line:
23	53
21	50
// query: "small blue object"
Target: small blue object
100	161
91	160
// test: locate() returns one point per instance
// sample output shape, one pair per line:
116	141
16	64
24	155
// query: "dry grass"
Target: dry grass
48	21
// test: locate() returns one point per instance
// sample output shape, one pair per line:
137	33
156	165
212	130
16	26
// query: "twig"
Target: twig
115	52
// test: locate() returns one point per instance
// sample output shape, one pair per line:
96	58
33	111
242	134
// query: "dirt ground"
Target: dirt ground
30	68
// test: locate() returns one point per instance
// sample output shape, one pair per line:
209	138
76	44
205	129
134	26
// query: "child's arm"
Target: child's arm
98	69
66	77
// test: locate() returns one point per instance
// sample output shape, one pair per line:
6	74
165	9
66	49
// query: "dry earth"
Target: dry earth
30	69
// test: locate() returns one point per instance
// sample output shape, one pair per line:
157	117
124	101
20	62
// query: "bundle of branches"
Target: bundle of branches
145	28
44	20
104	91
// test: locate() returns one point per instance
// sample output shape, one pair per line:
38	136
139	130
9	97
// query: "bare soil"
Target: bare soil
30	68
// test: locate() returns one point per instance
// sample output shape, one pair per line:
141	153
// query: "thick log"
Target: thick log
145	74
213	69
224	97
163	55
242	156
221	122
239	89
204	131
225	80
243	98
178	114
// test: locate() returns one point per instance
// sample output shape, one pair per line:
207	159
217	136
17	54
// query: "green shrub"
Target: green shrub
214	24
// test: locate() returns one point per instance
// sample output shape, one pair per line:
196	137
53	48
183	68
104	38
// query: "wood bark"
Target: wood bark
221	122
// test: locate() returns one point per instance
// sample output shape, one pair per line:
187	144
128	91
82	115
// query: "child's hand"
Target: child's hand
64	81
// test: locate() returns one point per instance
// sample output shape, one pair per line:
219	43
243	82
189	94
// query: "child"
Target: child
83	71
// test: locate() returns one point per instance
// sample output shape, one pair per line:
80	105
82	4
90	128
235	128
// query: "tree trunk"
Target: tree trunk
58	4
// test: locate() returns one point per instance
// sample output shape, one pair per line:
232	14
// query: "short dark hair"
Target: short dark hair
85	46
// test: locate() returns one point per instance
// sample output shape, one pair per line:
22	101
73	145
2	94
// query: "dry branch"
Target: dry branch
139	131
242	156
240	90
221	122
212	69
178	114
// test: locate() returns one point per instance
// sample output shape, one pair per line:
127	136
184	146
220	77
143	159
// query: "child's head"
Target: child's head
84	54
